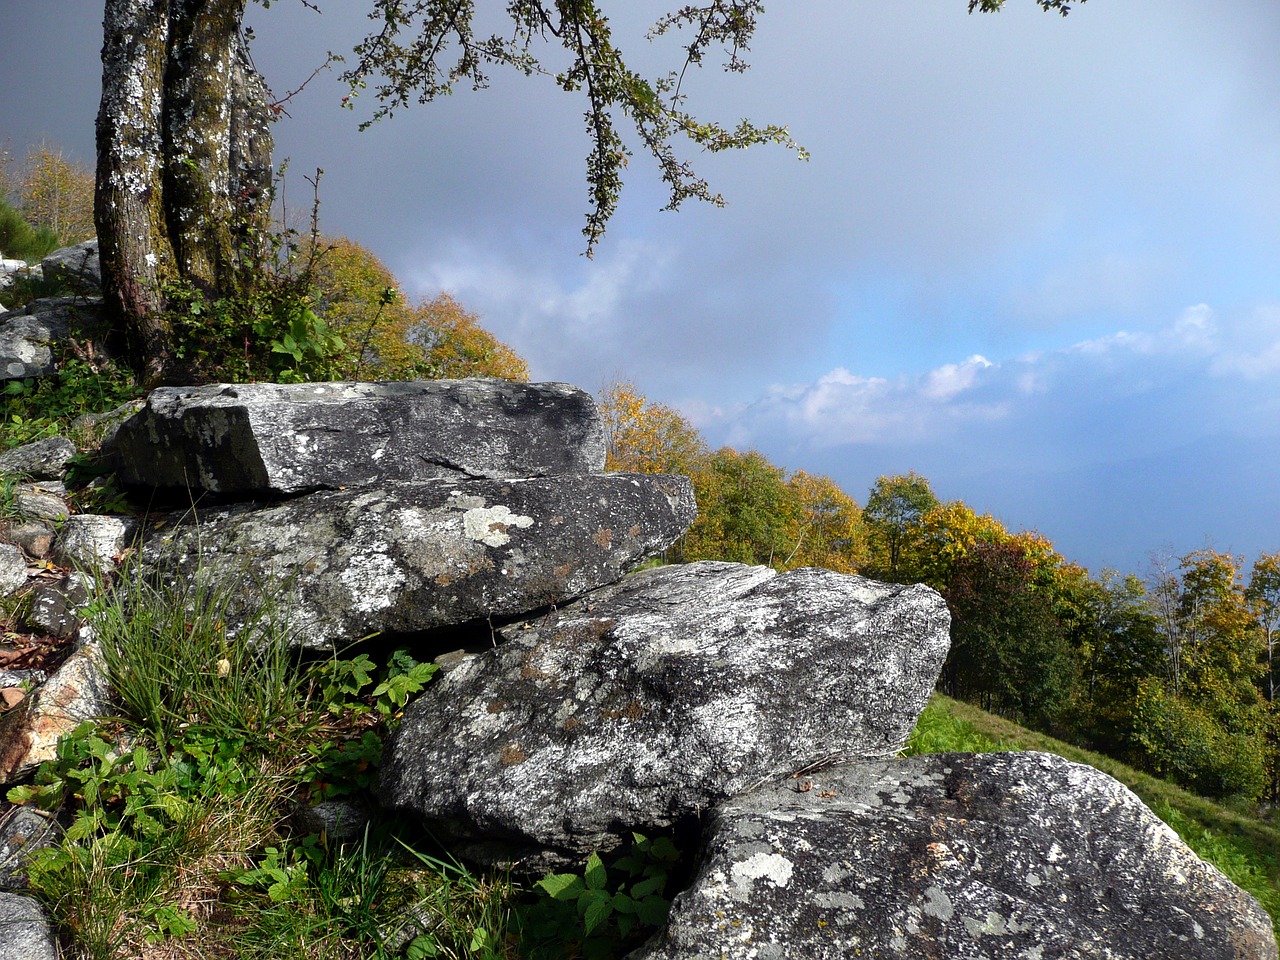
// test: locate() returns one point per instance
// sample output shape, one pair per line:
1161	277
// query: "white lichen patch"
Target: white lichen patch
773	867
489	525
374	581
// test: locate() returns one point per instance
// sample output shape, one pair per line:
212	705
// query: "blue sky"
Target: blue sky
1031	258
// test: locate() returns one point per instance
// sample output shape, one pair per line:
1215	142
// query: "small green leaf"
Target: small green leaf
562	886
595	875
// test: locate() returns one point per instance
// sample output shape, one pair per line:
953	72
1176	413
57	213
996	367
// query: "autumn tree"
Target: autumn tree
648	437
746	513
829	530
388	337
1263	595
57	193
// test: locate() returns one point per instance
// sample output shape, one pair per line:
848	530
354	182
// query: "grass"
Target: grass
1243	847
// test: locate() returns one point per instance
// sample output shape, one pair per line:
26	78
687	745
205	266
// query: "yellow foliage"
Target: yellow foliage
56	193
646	437
828	531
389	339
455	345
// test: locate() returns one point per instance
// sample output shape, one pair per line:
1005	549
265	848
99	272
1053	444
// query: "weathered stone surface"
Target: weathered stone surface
33	537
42	460
288	438
75	693
88	541
35	503
408	557
26	338
56	606
23	831
24	932
77	266
649	701
13	569
1015	855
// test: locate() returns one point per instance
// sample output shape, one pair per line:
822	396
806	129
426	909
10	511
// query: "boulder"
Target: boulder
32	537
409	557
77	266
1014	855
75	693
27	338
648	702
43	460
33	502
13	569
288	438
56	605
24	932
91	542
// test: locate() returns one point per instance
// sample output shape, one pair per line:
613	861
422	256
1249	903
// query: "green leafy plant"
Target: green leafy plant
603	908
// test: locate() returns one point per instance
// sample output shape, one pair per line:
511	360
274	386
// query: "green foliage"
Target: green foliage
1187	745
177	667
19	240
894	513
38	407
603	909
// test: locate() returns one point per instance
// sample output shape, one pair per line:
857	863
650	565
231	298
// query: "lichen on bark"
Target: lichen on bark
184	162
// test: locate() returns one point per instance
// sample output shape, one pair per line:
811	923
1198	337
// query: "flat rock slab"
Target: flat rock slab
1014	855
411	557
649	701
266	438
43	460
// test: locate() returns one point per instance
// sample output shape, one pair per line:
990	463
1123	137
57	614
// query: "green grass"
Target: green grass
1243	847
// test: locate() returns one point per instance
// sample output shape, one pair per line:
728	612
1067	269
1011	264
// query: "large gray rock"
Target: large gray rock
24	932
1015	855
288	438
43	460
649	701
77	266
27	338
409	557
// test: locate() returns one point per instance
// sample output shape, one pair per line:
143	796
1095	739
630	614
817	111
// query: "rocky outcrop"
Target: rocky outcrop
43	460
411	557
649	701
1013	855
76	266
27	337
249	439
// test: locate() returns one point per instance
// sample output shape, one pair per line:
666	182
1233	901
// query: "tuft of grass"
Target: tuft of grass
1246	849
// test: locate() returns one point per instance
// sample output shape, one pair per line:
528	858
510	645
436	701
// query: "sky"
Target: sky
1032	258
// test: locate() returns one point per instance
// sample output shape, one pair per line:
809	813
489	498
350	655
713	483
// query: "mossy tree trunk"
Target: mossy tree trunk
184	163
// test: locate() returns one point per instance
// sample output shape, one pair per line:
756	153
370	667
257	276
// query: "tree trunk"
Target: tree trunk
184	163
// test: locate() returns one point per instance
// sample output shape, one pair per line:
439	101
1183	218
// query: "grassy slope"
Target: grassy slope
1246	849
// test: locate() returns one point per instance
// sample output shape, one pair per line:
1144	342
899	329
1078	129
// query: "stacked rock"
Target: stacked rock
765	710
